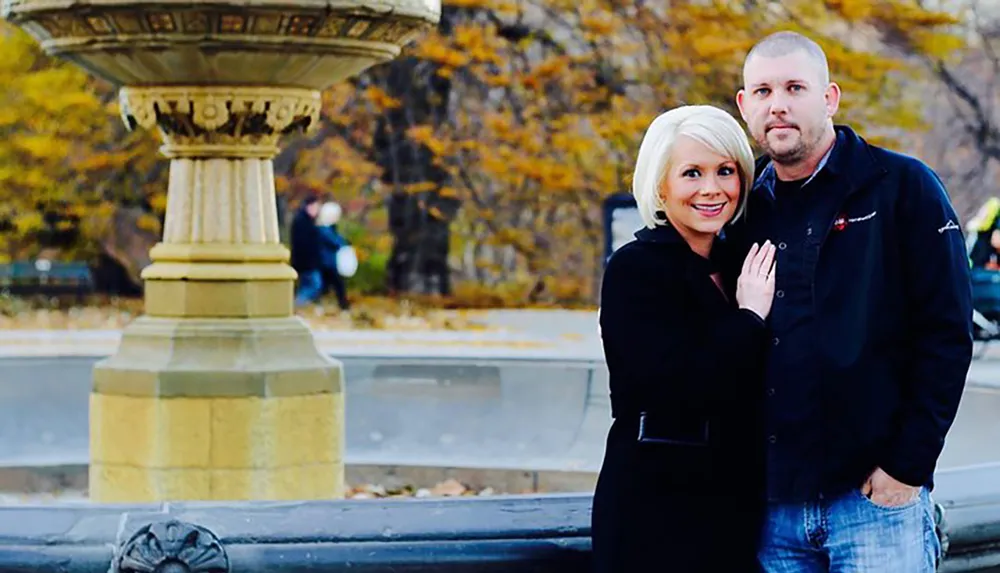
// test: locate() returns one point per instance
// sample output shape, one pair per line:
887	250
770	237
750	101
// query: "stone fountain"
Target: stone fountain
218	391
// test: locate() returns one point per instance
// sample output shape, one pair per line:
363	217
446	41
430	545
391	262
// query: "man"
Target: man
306	251
871	325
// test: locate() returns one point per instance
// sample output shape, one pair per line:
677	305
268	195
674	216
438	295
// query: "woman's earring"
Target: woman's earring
660	215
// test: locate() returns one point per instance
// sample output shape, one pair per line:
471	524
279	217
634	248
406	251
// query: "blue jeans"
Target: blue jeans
310	287
850	534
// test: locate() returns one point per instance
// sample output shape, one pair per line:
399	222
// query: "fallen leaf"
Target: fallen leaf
450	487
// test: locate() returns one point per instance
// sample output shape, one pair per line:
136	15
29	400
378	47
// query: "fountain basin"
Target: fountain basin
307	44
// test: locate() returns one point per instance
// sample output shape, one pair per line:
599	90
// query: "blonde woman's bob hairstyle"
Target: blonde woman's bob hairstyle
712	126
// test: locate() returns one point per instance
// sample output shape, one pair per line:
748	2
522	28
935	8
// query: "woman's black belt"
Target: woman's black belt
679	429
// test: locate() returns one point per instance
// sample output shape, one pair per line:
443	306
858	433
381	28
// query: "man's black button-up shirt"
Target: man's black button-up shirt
794	439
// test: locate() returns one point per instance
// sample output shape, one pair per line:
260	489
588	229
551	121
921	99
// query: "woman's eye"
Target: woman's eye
691	173
727	171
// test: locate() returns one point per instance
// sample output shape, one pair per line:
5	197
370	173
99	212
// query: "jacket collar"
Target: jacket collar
850	157
659	234
666	234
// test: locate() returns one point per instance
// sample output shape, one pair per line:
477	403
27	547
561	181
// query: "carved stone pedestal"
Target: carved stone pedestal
219	391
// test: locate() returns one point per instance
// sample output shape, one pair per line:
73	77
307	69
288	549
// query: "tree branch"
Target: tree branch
985	133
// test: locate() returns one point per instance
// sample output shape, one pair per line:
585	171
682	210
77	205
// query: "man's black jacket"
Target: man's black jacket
889	334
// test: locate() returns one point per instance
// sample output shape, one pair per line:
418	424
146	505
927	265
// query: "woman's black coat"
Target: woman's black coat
684	354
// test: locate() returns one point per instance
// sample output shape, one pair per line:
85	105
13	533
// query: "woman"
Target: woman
681	487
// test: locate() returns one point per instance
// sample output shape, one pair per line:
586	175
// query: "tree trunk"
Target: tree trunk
419	221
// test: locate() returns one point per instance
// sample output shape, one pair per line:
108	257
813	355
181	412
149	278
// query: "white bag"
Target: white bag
347	261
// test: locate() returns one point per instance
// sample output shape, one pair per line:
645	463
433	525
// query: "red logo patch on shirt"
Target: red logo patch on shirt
840	222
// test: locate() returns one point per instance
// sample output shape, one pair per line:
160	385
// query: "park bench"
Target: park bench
46	278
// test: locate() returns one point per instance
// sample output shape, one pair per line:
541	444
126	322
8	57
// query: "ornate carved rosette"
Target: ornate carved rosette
172	547
220	121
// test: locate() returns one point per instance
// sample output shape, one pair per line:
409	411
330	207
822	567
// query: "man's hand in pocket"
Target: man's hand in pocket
886	491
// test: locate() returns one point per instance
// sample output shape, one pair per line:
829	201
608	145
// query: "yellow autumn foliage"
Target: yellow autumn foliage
549	104
548	101
65	160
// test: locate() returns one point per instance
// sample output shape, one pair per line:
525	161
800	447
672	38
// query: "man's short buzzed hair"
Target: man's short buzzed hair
784	43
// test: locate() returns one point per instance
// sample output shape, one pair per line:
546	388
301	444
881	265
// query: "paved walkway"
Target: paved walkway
556	334
511	334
